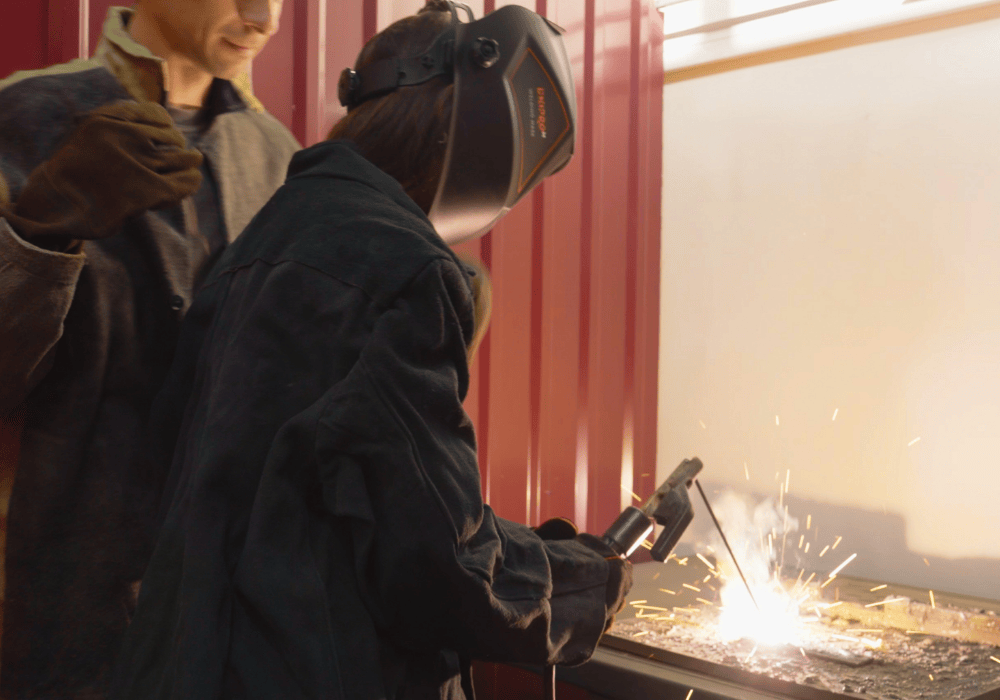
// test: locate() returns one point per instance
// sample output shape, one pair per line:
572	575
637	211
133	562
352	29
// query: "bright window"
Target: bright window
700	31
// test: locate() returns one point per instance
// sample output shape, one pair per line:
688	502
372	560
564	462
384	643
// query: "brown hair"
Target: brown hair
405	132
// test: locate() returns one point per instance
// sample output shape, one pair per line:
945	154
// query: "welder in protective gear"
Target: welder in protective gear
324	533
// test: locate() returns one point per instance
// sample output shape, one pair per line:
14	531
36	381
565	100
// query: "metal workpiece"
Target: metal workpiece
665	645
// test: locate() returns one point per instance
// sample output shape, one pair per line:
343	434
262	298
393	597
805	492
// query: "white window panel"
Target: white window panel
701	31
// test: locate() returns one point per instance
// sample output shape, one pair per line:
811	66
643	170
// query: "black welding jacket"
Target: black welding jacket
326	535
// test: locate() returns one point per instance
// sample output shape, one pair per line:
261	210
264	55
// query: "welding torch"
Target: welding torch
670	507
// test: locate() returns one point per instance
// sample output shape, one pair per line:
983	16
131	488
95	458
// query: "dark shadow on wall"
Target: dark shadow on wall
879	540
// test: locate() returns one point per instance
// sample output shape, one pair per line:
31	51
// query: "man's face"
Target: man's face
221	36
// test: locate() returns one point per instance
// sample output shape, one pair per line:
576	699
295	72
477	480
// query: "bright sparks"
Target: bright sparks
835	411
933	604
913	442
993	658
885	602
690	693
839	538
746	471
879	588
777	421
846	562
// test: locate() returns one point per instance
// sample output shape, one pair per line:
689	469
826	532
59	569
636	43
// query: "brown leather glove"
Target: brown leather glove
619	576
120	160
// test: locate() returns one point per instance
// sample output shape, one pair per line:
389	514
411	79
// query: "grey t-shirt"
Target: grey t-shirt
193	123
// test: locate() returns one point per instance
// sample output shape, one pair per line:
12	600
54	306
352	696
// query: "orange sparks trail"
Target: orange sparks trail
926	562
839	538
746	471
702	600
806	550
668	591
846	562
693	588
913	442
835	411
706	562
809	521
879	588
752	652
825	550
933	604
884	602
690	693
993	658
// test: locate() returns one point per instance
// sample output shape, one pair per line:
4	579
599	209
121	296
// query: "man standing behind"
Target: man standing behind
121	179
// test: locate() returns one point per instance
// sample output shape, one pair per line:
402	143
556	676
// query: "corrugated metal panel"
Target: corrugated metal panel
564	387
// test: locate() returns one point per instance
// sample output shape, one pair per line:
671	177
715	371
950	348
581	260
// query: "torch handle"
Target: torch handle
627	531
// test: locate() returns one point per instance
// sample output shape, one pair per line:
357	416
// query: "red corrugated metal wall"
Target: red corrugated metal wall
564	392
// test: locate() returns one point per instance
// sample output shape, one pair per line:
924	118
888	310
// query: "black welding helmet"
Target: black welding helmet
514	115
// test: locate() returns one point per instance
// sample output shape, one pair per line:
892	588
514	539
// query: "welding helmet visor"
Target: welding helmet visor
514	114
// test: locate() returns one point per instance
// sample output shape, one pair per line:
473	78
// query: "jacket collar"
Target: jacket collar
143	74
340	159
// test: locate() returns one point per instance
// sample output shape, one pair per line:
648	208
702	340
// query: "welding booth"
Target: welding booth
775	249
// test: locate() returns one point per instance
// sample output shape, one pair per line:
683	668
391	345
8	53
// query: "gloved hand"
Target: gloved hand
120	160
619	576
556	529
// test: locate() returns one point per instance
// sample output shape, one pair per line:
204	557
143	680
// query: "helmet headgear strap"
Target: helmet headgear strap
382	77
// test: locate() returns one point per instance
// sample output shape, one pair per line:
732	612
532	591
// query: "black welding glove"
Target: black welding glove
556	529
120	160
619	570
619	575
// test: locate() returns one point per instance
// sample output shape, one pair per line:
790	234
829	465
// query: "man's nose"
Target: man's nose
262	15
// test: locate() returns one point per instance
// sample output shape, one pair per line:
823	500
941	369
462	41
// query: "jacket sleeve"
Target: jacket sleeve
397	459
36	285
36	289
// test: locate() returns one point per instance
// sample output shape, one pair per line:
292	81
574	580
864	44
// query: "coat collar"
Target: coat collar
340	159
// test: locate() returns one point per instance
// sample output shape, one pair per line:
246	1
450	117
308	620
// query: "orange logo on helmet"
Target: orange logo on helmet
541	111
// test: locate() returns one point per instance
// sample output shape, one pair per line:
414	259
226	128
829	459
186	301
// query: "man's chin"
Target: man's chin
230	71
